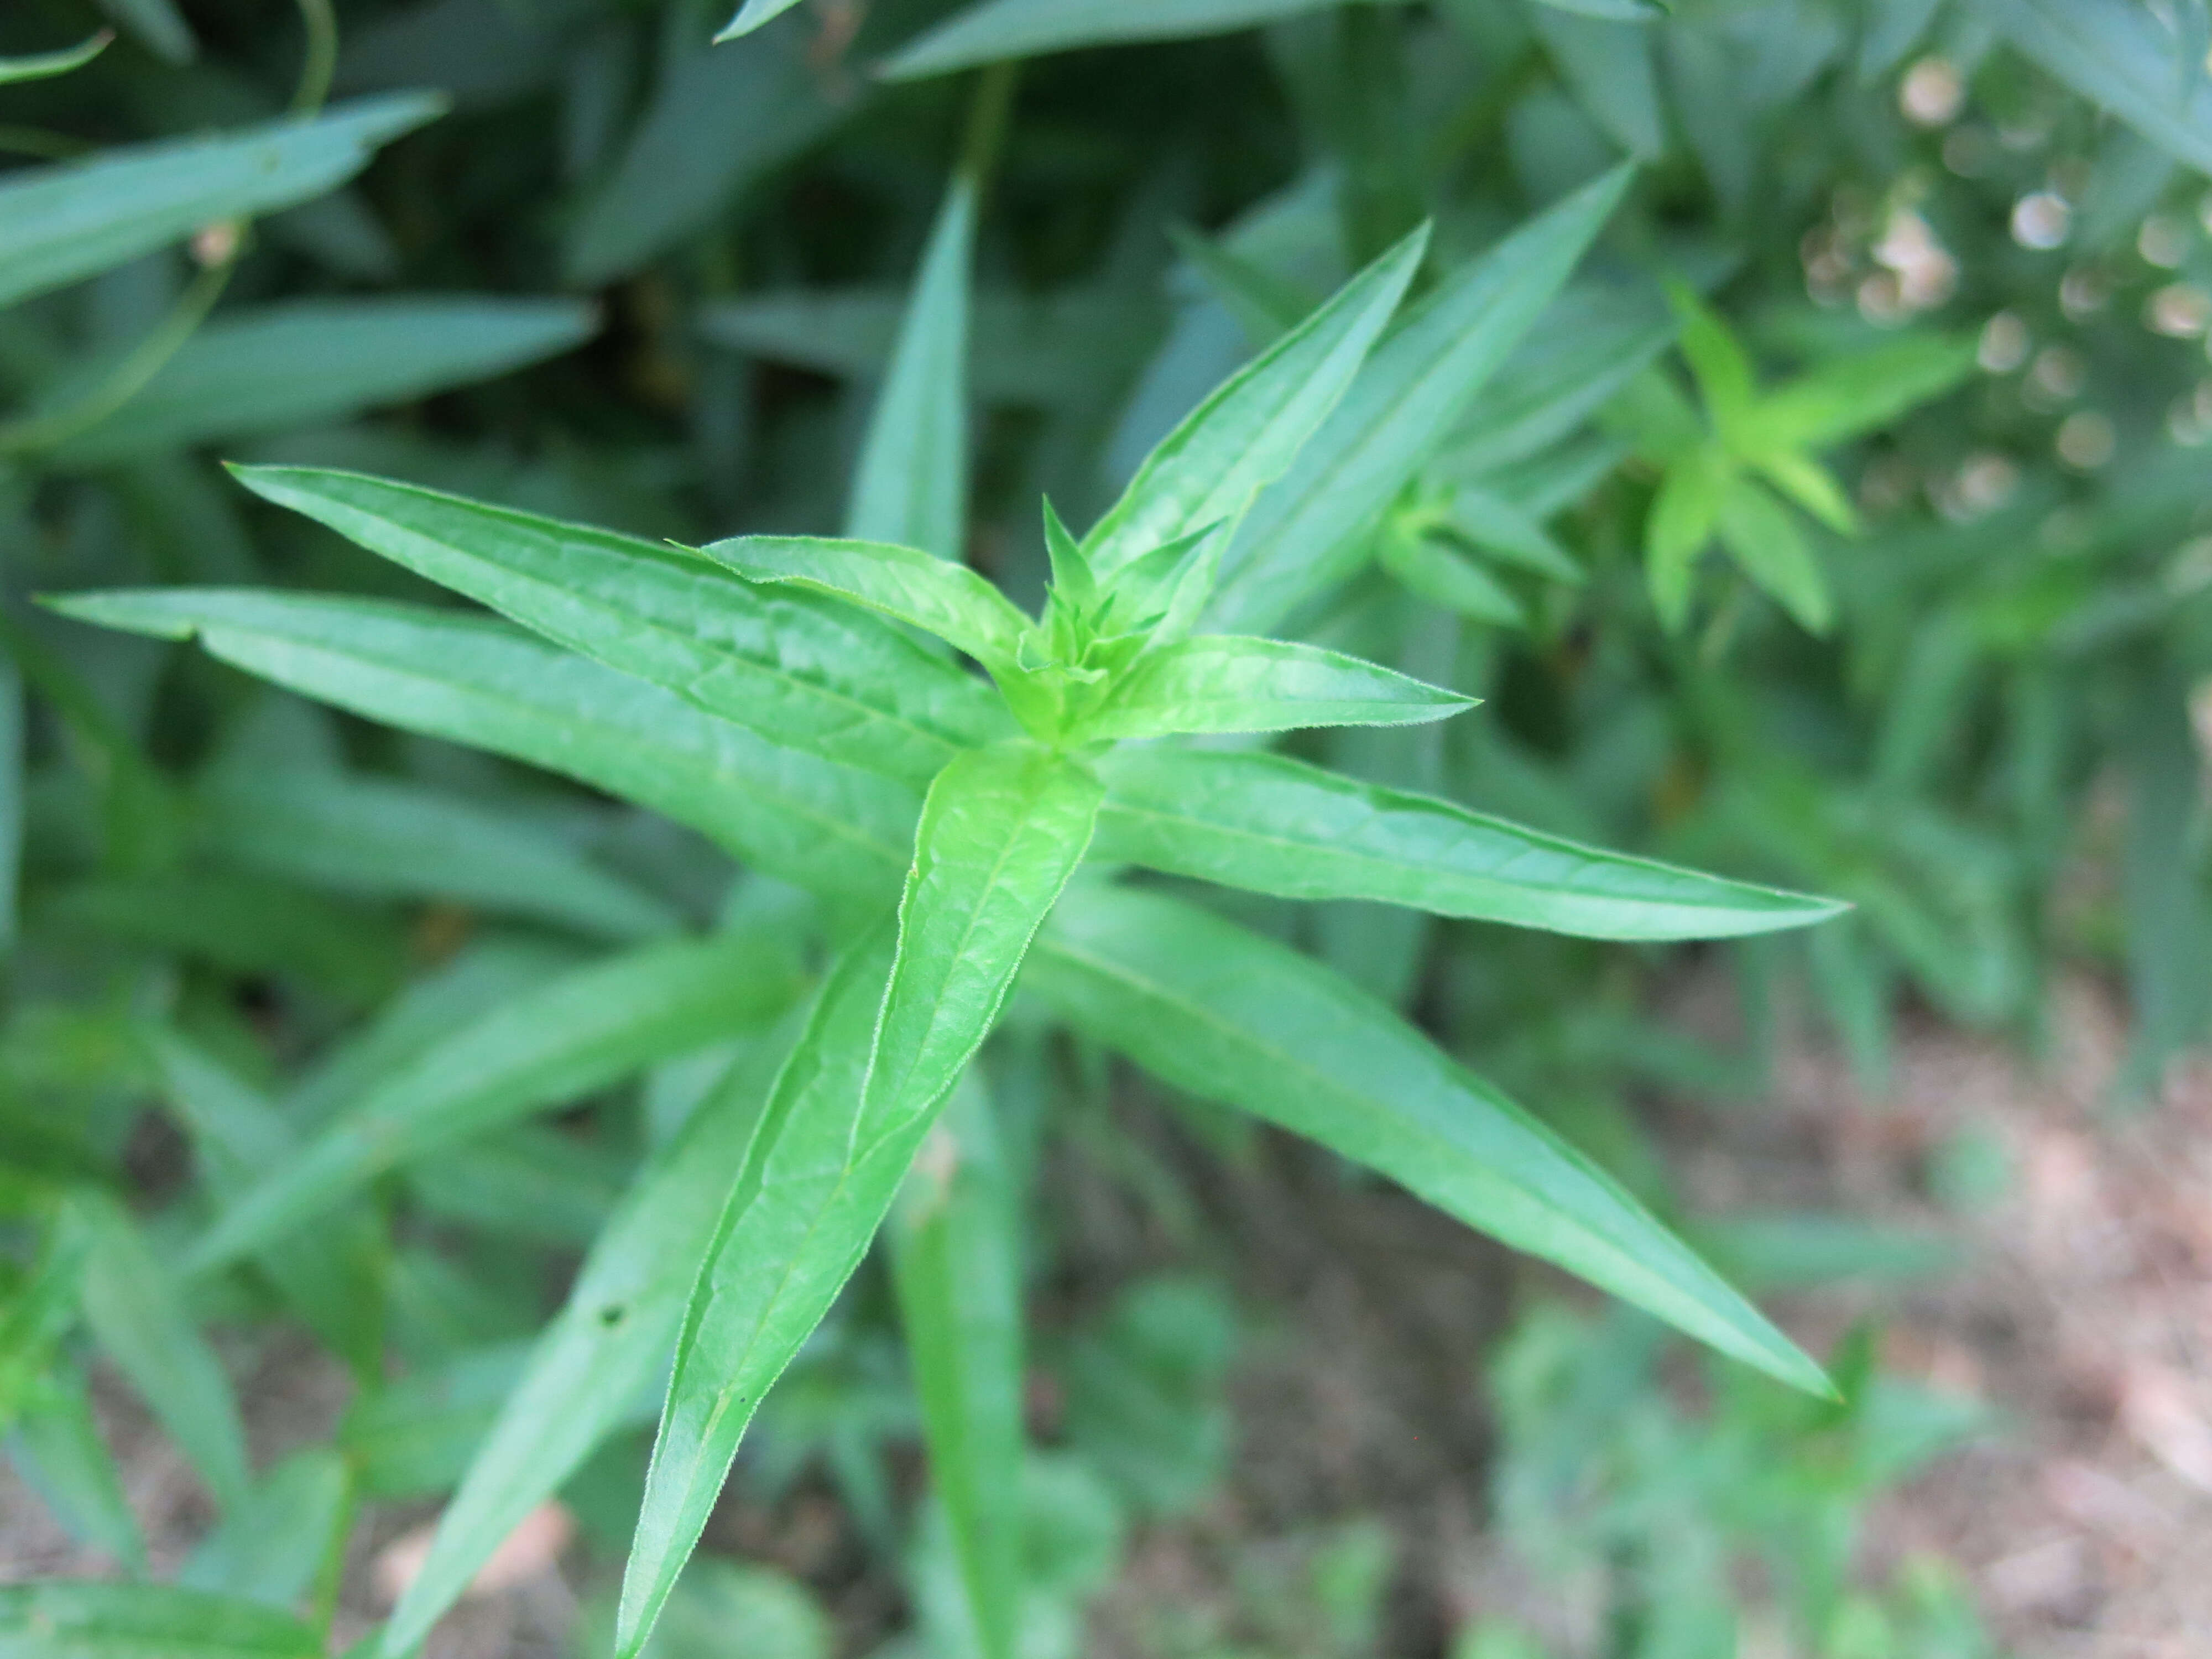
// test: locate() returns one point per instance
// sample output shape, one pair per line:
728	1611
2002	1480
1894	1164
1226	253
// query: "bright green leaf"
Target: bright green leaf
69	1620
1847	397
1302	532
1684	515
1250	430
1277	825
1221	682
1235	1017
904	583
826	827
1771	548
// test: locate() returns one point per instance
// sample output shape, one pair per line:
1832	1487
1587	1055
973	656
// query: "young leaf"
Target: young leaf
805	673
59	224
1721	368
956	1267
999	29
1299	536
1277	825
1001	833
1849	396
385	838
139	1621
284	1539
1773	552
309	363
569	1037
1220	683
43	66
826	827
911	485
1235	1017
601	1354
904	583
1444	576
1248	433
137	1312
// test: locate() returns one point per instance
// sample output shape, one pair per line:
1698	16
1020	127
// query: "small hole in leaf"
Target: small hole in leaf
612	1314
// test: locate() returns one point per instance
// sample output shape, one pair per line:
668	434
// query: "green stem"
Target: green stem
321	62
988	120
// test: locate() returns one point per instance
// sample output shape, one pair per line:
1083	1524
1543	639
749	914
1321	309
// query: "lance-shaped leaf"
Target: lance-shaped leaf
1301	533
140	1622
2120	56
601	1355
999	29
59	224
752	15
136	1309
308	362
949	600
56	1449
911	485
563	1039
333	1278
1240	1020
1221	682
387	838
1859	393
804	673
957	1267
1277	825
469	679
1247	434
1001	832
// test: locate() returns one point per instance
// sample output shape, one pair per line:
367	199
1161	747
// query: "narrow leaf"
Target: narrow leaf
826	827
803	672
1773	551
956	1260
1220	683
309	363
1850	395
1277	825
601	1354
1237	1018
1001	832
386	838
71	1620
56	1449
1300	535
1680	527
2115	54
563	1041
911	485
904	583
59	224
136	1309
1247	434
284	1539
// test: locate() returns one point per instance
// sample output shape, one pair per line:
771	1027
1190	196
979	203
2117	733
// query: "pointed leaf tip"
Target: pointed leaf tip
751	15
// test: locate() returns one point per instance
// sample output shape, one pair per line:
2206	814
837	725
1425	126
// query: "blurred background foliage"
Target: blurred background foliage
1846	525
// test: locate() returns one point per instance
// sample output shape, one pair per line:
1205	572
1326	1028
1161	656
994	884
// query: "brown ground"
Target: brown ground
2082	1314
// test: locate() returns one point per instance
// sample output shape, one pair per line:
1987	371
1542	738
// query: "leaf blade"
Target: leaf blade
1277	825
904	583
1222	682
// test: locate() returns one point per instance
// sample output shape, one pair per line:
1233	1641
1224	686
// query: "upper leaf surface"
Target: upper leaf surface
949	600
805	674
134	1621
1221	682
59	224
828	828
1237	1018
1247	434
1277	825
1404	403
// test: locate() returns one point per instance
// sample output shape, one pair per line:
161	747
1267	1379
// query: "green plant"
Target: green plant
798	731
